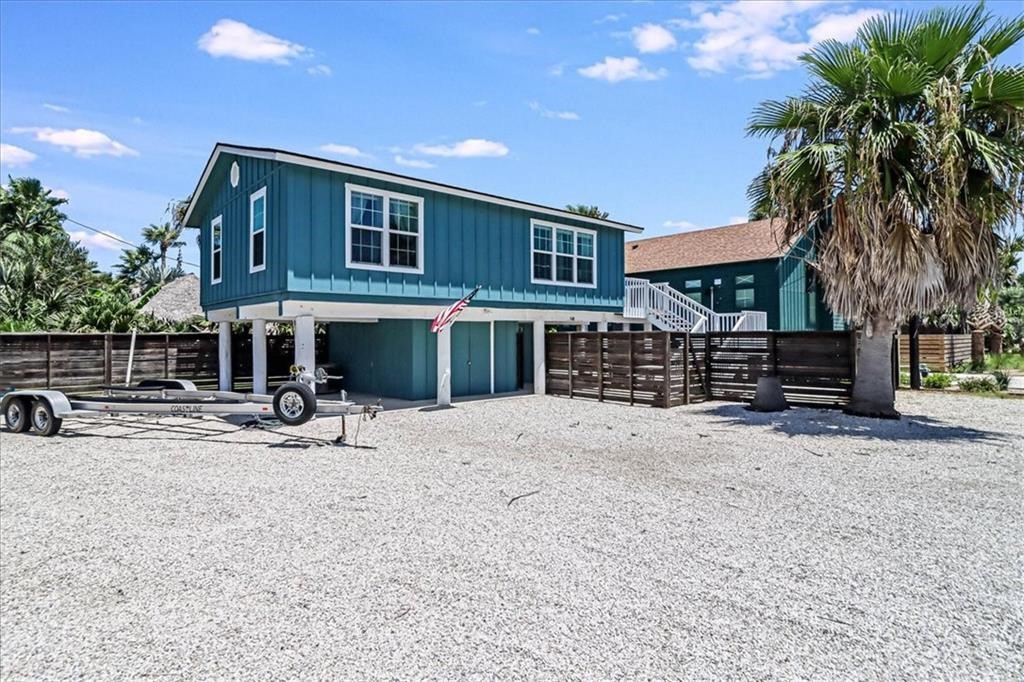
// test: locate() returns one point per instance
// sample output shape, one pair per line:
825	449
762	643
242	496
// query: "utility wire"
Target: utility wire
110	235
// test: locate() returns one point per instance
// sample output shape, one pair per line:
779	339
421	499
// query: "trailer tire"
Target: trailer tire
16	415
294	403
43	421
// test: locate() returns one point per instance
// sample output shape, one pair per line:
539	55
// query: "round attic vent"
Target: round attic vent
234	174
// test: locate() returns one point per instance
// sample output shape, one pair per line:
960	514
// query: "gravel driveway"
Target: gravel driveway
525	537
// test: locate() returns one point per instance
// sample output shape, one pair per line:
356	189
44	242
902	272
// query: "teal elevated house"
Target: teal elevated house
375	256
742	267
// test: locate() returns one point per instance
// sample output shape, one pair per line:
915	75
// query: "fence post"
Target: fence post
894	360
773	357
707	365
600	366
108	359
686	368
167	356
668	369
48	370
569	334
632	376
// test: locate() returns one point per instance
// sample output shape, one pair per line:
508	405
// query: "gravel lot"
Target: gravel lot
702	541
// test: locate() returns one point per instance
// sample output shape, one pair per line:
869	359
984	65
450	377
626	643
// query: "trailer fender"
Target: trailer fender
58	402
177	384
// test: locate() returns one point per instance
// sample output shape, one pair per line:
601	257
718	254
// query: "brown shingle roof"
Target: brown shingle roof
729	244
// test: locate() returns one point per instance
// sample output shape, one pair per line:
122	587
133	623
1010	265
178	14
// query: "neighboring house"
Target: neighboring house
177	300
376	255
747	266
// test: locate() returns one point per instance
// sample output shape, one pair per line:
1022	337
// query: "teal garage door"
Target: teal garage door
471	358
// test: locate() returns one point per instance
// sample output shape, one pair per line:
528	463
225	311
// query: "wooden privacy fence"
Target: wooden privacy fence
85	362
939	351
675	368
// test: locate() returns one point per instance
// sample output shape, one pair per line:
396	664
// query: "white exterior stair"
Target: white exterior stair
670	310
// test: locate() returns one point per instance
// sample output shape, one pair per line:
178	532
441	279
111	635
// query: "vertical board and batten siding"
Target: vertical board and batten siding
466	242
238	286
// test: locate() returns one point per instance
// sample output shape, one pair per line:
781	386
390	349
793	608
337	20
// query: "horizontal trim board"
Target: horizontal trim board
337	166
337	311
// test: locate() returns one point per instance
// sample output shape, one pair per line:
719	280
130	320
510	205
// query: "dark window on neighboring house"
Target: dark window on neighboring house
744	292
692	288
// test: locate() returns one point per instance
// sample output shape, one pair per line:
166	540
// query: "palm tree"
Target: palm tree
133	262
904	158
589	211
164	237
27	207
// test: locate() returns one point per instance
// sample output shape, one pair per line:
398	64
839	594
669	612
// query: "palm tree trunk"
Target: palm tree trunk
873	394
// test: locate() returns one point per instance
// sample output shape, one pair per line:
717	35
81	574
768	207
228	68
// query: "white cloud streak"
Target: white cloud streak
412	163
56	107
230	38
344	150
469	148
13	156
651	38
98	240
681	225
609	18
533	31
319	70
551	113
80	141
617	69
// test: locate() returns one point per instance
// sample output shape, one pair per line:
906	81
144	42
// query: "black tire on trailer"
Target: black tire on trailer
43	421
294	403
16	415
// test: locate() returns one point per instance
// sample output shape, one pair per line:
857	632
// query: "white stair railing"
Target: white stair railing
670	310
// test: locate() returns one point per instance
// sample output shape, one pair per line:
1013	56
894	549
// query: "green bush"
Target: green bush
1005	361
979	385
1002	379
904	378
939	381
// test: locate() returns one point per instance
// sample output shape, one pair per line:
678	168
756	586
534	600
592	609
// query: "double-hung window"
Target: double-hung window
744	292
258	230
216	249
562	255
384	230
693	289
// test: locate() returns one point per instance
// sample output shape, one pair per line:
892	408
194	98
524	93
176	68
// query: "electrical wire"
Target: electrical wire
110	235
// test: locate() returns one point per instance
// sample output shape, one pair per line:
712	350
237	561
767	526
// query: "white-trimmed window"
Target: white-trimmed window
216	249
258	230
693	289
383	230
562	255
744	292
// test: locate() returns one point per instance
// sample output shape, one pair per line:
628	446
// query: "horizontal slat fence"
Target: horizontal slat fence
675	368
939	351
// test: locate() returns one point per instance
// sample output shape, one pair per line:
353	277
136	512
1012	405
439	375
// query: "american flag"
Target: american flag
446	316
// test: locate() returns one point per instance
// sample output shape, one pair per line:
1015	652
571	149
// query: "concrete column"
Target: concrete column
602	326
648	326
259	356
492	356
224	357
444	366
305	343
539	361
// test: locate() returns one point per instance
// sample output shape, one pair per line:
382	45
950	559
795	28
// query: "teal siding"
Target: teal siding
466	242
238	286
801	299
766	294
398	358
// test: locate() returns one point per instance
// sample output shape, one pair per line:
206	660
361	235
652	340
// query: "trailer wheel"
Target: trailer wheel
16	414
294	403
43	421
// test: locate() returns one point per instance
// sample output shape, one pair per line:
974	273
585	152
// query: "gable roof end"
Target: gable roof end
385	176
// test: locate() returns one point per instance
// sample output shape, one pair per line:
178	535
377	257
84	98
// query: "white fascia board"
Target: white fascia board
258	311
224	315
383	176
331	310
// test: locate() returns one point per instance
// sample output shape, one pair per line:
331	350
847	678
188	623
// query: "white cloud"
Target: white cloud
737	219
480	103
82	142
652	38
412	163
550	113
15	156
533	31
230	38
319	70
763	38
609	18
615	69
472	147
97	240
344	150
682	225
556	70
60	194
56	107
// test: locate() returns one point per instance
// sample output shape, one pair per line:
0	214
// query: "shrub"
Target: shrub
979	385
939	381
1002	379
904	378
1005	361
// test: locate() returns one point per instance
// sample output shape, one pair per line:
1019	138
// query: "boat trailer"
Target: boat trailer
294	403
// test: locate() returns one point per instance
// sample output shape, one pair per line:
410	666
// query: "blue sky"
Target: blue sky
638	107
